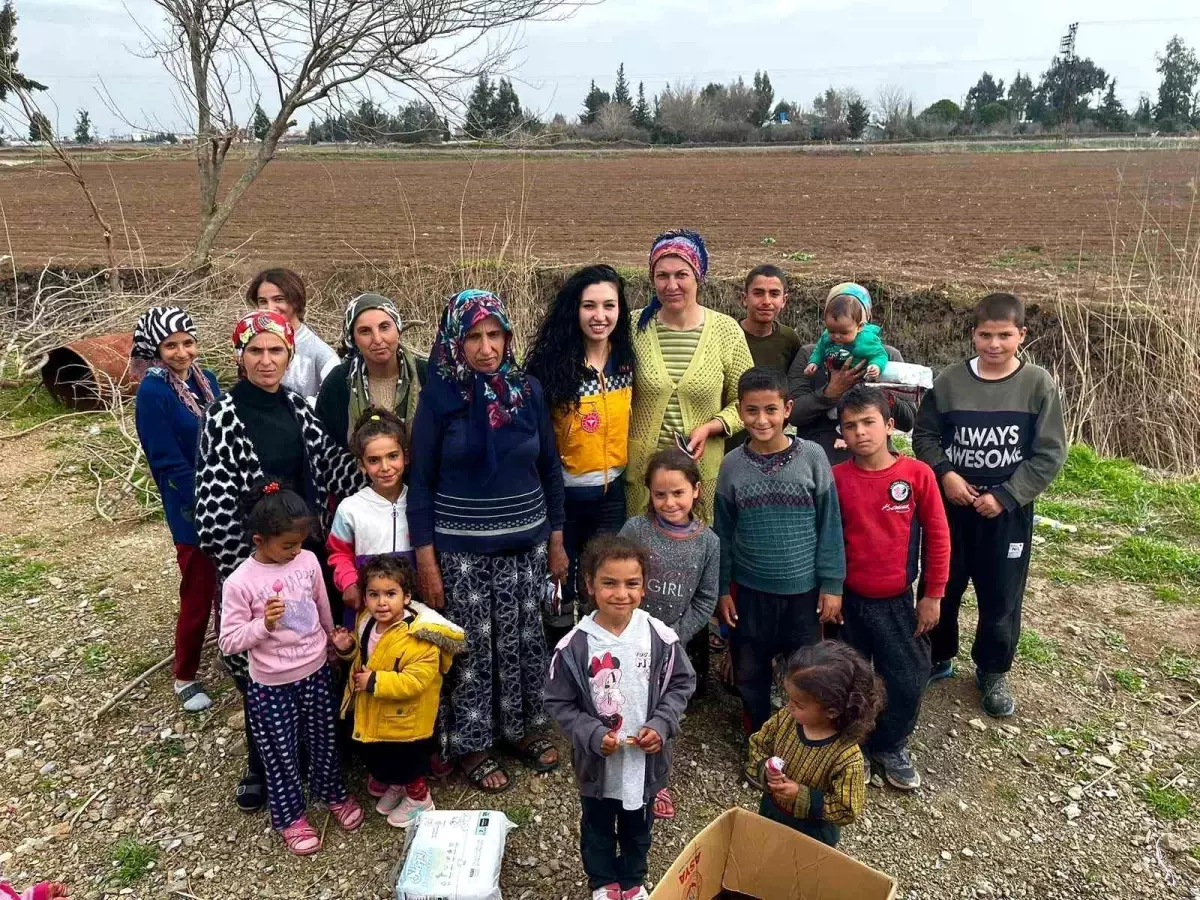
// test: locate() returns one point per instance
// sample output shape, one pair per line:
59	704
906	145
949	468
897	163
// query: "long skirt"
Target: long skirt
496	689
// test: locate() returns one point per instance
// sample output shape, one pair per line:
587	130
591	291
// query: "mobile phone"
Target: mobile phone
681	442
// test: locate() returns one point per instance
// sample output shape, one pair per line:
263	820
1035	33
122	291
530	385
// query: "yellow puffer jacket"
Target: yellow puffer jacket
409	661
594	437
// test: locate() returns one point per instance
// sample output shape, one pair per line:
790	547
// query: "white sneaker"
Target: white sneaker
408	810
390	799
637	893
608	892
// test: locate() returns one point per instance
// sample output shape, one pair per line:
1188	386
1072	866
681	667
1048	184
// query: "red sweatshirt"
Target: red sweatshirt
885	515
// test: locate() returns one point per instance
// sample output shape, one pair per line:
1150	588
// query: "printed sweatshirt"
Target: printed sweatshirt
297	647
681	586
367	525
779	522
1005	436
889	518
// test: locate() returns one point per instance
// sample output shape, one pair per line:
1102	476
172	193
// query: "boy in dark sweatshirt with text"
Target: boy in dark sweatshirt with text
992	431
893	522
782	560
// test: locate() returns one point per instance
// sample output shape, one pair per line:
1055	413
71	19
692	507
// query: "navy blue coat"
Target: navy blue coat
170	435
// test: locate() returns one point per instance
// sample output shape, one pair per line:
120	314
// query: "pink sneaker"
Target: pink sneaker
349	813
390	799
376	788
408	810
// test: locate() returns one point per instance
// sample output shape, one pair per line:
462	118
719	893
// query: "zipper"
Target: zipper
604	445
393	527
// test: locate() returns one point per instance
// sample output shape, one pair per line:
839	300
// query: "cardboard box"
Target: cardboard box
741	851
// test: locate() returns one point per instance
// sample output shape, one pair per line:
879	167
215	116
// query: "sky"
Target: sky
91	53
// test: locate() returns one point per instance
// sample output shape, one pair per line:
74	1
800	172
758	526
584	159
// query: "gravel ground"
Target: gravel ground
1050	804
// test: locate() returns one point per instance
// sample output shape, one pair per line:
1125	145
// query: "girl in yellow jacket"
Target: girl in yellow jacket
399	651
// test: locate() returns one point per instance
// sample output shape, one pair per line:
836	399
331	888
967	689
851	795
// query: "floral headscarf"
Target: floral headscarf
688	246
252	324
495	399
153	327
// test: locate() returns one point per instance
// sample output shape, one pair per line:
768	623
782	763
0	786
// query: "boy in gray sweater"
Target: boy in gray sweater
992	430
619	683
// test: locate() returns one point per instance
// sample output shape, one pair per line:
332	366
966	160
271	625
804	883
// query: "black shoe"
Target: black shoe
251	793
997	699
898	769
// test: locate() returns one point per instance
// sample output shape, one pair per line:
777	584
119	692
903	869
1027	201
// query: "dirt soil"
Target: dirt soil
920	215
1049	804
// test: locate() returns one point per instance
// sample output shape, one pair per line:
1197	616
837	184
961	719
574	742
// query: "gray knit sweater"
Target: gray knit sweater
681	586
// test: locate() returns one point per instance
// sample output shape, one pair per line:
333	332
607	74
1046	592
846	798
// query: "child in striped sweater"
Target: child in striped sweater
806	757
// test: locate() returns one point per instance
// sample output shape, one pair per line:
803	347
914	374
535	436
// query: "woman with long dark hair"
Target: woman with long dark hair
583	356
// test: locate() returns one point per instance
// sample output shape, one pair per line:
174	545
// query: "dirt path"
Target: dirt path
1049	805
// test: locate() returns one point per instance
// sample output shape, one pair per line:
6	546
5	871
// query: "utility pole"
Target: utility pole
1066	48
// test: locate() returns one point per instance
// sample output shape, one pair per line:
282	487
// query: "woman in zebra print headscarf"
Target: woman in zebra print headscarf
171	399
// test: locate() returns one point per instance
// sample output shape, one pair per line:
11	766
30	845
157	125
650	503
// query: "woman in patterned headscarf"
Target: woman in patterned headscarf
171	399
485	512
262	431
377	371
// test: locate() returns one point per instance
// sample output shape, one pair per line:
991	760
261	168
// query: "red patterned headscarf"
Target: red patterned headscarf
252	324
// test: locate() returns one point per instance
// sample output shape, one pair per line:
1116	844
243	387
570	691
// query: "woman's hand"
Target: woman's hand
352	597
700	436
841	380
557	561
429	578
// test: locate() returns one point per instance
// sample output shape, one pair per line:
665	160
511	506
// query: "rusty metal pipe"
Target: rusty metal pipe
84	374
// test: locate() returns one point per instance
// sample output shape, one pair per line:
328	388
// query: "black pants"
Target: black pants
396	762
606	826
768	625
882	631
698	652
254	764
590	511
817	829
993	555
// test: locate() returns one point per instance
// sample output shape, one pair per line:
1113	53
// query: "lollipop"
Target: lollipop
277	586
775	765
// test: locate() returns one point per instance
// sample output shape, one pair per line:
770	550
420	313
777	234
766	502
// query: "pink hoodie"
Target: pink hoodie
297	646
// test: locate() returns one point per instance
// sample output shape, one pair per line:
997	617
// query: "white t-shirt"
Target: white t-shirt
619	671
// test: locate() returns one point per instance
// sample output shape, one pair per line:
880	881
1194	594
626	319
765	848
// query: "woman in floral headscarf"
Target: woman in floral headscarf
262	431
377	371
485	512
171	399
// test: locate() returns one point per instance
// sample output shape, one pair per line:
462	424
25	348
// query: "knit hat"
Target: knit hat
688	246
850	289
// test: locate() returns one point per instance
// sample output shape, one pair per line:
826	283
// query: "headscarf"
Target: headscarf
252	324
494	399
356	377
153	327
850	289
688	246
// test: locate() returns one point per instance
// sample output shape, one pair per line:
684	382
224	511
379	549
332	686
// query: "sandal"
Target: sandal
349	813
301	838
251	793
531	755
488	766
664	806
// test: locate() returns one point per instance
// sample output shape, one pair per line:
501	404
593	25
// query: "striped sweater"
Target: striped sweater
830	769
779	523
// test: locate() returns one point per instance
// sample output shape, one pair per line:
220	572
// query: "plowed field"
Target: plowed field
928	214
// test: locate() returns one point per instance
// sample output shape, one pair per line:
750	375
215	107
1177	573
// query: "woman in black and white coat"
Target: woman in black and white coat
261	430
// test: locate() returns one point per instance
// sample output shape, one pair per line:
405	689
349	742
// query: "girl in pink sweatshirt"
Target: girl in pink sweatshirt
274	608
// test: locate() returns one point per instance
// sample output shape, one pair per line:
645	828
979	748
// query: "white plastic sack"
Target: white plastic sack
454	855
907	374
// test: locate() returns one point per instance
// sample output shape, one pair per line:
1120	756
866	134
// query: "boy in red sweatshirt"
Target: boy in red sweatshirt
892	521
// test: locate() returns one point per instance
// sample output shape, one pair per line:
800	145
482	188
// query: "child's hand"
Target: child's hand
362	680
957	491
839	444
649	740
988	506
829	606
609	745
727	611
810	369
273	612
352	597
929	610
783	789
872	373
342	639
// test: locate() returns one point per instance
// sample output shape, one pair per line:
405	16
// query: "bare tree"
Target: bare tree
315	51
893	106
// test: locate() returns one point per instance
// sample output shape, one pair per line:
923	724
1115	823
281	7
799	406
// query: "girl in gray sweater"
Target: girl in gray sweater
685	557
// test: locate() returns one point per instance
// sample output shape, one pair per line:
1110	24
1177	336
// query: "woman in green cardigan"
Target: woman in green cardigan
688	360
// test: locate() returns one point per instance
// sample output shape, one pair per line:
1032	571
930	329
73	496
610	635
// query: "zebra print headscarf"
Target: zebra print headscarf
153	327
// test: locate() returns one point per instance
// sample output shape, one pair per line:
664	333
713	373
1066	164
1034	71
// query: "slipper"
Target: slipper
487	766
301	838
664	806
531	755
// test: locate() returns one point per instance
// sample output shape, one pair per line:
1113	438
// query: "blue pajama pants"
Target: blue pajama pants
280	717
